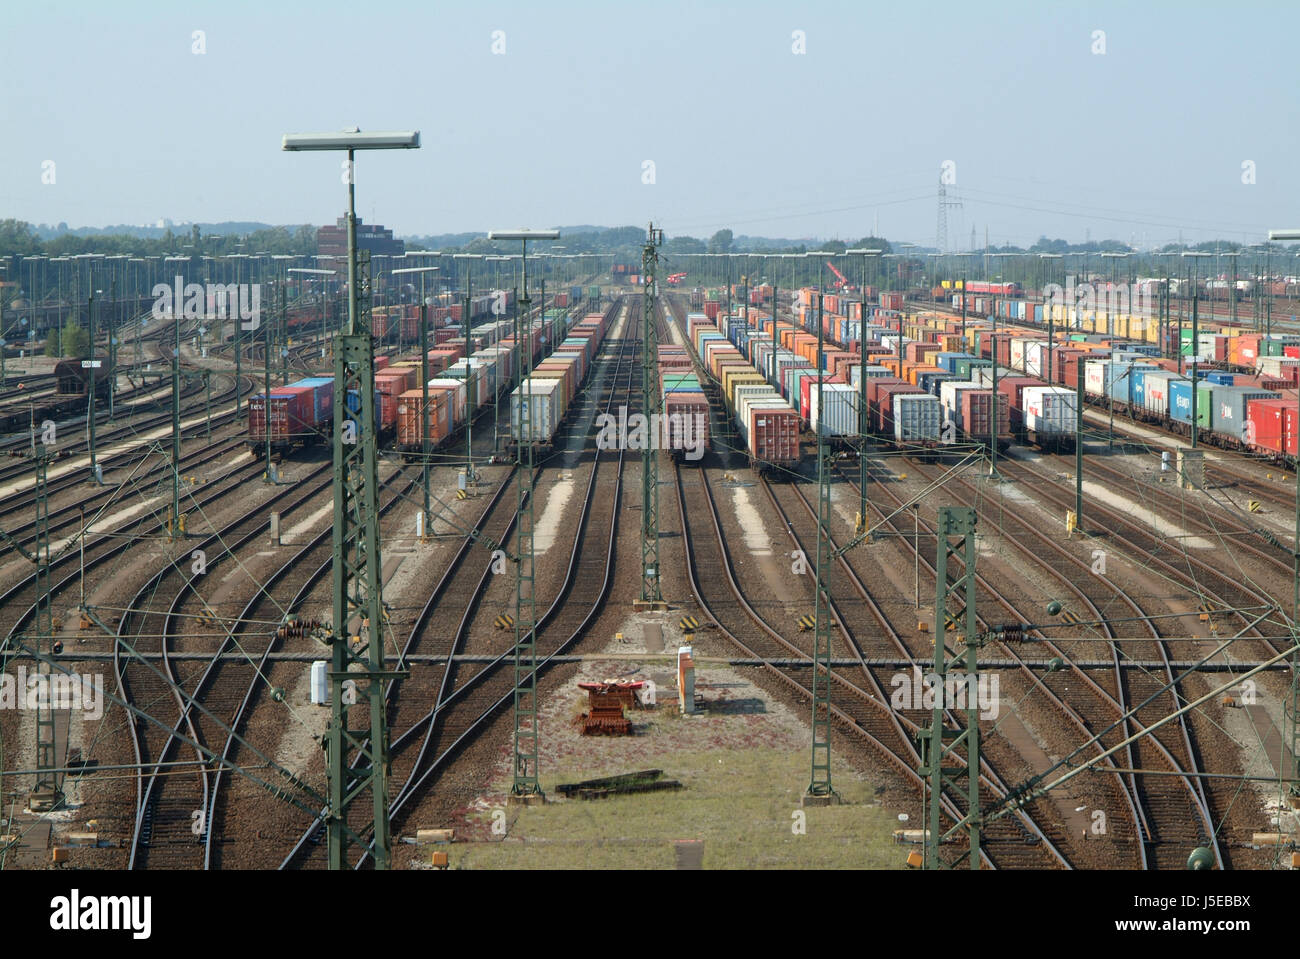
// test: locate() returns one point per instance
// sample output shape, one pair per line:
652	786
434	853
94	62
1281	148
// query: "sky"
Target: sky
1144	122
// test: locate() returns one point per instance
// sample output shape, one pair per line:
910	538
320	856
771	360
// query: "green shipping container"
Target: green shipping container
967	365
1205	405
593	293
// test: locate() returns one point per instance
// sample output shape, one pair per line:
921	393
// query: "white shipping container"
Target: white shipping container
460	394
1035	362
777	404
1096	376
749	394
1279	366
1019	344
918	418
536	405
1050	410
856	370
841	410
950	398
984	375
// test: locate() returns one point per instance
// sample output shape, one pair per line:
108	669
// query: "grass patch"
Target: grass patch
740	802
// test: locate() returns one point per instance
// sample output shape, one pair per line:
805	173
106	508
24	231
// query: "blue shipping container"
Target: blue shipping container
1180	401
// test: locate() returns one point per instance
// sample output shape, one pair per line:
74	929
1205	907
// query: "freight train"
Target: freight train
767	423
540	404
898	414
302	413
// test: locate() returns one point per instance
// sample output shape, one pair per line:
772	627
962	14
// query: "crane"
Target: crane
675	278
843	283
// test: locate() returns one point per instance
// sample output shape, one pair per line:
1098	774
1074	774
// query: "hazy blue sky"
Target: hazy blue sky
1047	137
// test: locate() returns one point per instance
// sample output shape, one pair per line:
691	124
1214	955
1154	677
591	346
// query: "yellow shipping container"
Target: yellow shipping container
738	378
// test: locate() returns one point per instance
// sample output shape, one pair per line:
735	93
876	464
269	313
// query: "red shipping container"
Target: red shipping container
977	414
774	435
687	412
874	385
882	413
381	362
1292	351
292	416
396	380
920	352
1065	367
1266	425
1013	387
409	420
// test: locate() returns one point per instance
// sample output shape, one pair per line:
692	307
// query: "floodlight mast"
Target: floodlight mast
526	786
424	388
357	760
1291	706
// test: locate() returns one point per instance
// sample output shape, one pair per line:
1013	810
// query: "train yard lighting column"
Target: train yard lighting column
424	388
357	572
651	589
175	527
1078	443
1291	706
820	791
90	365
1110	293
1051	327
307	271
861	526
963	257
1196	344
469	287
525	785
1232	285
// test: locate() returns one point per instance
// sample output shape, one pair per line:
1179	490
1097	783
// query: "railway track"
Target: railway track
1170	814
428	734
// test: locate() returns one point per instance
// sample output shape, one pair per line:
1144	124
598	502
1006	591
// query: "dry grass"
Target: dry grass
742	803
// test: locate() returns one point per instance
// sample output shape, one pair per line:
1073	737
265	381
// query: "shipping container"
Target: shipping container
917	419
409	420
536	411
1050	416
835	412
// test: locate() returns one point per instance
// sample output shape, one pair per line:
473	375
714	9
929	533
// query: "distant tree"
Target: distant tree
721	241
76	341
874	243
53	343
834	246
685	244
18	238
